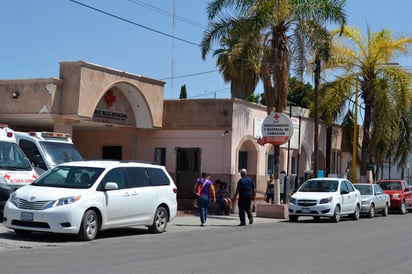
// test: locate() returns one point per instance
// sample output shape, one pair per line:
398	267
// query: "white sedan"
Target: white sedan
325	197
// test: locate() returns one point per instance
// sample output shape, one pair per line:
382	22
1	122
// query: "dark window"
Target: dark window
32	153
271	158
242	160
160	156
112	152
137	177
158	177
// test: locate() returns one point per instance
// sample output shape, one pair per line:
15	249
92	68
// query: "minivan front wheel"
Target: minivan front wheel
89	226
159	221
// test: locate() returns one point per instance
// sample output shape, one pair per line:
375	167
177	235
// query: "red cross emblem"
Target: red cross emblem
276	116
110	98
7	176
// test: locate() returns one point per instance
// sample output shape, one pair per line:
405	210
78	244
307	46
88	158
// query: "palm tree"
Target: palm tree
237	59
384	89
288	30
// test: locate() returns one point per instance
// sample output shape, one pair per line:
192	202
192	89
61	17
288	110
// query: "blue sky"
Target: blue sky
37	35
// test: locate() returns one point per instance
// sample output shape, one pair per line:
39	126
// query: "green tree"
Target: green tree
183	92
300	94
384	89
237	58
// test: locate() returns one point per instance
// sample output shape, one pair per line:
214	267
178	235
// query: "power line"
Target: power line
134	23
190	75
165	12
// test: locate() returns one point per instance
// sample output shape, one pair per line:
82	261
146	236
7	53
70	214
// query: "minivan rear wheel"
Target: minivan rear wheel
159	221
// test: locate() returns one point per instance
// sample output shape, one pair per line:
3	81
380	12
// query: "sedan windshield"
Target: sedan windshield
69	177
364	189
319	186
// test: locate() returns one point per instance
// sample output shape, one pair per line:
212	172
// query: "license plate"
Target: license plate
26	216
305	210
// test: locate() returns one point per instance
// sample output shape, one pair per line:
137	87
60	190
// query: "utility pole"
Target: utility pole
316	114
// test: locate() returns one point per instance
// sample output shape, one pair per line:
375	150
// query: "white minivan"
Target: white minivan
85	197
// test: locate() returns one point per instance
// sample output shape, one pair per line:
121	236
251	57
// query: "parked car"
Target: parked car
399	192
47	149
85	197
15	168
325	197
373	200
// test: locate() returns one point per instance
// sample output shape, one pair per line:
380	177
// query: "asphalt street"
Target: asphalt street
182	223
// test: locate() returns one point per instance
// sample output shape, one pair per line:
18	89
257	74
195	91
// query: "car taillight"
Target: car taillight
175	190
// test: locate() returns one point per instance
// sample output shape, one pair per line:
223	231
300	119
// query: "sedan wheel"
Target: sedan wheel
336	215
385	211
372	211
89	226
159	221
356	214
403	208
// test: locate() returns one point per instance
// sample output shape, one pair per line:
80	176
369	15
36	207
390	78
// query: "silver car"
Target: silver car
373	199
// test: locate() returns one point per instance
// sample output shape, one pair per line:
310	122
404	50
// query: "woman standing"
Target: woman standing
204	186
270	189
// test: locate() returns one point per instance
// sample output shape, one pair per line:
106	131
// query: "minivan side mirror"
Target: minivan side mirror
111	186
344	191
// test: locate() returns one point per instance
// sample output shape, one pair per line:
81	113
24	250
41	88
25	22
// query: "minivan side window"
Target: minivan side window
137	177
115	175
158	177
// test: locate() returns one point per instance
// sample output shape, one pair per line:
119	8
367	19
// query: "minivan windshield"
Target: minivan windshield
69	177
58	153
12	157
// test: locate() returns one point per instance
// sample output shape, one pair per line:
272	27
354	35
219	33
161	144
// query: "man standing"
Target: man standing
247	193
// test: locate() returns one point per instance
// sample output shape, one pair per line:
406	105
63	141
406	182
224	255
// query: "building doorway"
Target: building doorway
187	171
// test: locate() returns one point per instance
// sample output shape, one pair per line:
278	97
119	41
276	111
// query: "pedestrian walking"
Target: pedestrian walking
247	193
206	194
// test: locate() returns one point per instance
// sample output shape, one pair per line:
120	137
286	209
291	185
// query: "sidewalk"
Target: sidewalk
192	219
185	221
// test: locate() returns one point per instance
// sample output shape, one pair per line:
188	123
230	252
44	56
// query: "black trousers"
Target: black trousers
244	205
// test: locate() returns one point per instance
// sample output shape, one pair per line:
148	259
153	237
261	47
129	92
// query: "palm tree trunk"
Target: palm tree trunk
329	131
365	142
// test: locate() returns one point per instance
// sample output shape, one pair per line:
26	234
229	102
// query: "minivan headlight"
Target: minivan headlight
63	201
12	198
292	200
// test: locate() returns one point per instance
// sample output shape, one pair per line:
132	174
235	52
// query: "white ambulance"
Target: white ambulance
15	168
47	149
